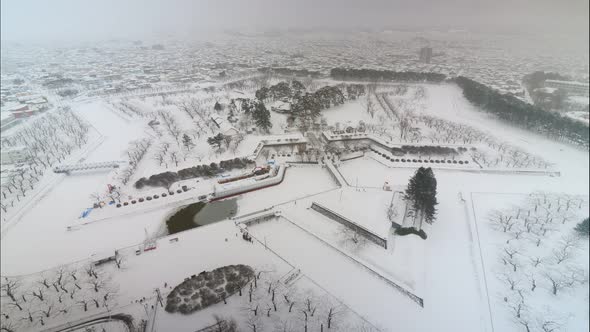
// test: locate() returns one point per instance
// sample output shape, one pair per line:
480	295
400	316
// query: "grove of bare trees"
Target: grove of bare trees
539	265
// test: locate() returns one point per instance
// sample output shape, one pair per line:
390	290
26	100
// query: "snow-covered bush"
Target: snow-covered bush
207	288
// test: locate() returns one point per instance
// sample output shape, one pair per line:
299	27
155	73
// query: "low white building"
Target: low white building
224	126
13	155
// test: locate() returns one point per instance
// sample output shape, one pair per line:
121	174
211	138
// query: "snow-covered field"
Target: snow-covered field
538	249
450	270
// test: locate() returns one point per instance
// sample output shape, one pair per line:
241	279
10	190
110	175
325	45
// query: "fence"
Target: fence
382	242
259	218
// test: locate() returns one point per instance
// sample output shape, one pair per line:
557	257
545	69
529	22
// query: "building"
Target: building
425	54
39	104
7	120
13	155
224	127
573	88
20	111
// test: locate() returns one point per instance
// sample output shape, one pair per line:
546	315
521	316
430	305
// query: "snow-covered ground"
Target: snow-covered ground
446	270
538	256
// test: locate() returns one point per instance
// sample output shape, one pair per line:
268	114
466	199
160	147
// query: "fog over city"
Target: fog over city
294	166
84	20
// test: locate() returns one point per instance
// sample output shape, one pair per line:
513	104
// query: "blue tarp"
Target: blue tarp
86	213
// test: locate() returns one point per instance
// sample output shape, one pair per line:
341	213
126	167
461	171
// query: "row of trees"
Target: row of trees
425	150
166	179
415	127
516	111
136	152
385	75
281	90
289	72
46	141
505	155
29	303
129	109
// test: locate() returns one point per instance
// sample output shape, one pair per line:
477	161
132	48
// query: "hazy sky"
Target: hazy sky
28	20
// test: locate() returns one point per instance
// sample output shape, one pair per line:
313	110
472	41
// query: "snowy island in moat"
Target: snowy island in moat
293	197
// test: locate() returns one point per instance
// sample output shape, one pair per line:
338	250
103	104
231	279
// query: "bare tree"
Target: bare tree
47	310
558	280
84	304
524	322
7	326
10	287
91	271
565	249
174	157
511	280
97	284
502	220
254	323
352	238
119	261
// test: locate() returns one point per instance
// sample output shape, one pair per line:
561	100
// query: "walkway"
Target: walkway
87	166
336	174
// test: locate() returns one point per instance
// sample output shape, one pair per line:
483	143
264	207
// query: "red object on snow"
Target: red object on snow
149	248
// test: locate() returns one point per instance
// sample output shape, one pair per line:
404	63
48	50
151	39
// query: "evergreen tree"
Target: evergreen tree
280	90
216	140
583	228
232	106
217	106
262	93
261	116
421	192
306	104
187	142
298	88
429	195
247	106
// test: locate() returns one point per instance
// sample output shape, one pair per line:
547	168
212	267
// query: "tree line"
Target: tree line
537	79
426	150
385	75
166	179
290	72
514	110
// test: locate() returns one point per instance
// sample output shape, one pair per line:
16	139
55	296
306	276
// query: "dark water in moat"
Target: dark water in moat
201	214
